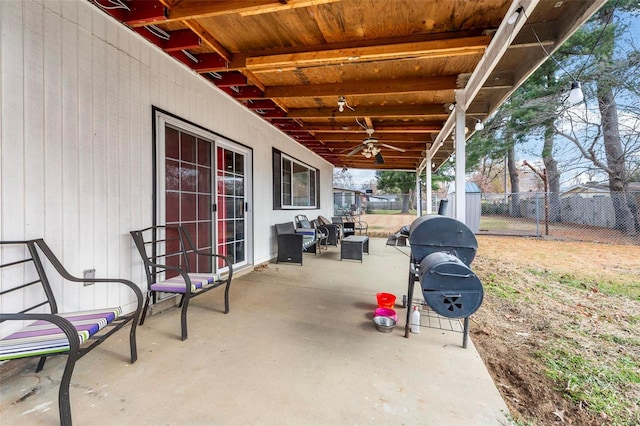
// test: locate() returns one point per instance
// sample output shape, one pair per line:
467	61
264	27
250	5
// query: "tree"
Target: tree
608	64
343	179
609	74
398	182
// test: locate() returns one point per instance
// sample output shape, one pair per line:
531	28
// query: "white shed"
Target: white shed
472	200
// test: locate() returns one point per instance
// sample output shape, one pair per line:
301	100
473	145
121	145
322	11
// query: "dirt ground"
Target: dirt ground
555	297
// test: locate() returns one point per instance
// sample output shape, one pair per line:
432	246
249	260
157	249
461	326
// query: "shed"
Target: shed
473	199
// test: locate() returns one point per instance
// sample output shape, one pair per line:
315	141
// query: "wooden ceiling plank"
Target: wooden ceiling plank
424	50
441	82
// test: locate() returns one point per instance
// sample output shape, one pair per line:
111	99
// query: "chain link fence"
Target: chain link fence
585	216
605	216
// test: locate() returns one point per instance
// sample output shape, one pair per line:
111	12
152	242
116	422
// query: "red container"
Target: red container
386	300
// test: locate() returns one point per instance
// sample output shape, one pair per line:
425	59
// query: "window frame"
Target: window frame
284	183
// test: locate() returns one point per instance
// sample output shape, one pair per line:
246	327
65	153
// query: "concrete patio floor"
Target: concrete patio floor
297	348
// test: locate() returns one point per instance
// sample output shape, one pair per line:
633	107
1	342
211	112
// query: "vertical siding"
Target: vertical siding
77	91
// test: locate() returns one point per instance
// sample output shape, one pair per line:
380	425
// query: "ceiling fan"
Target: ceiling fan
370	147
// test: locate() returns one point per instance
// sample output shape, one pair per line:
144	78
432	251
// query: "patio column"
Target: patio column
428	178
460	157
418	195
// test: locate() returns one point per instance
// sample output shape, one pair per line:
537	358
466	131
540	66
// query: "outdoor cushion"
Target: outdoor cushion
44	338
177	284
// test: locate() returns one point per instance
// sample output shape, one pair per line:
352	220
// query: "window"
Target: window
295	183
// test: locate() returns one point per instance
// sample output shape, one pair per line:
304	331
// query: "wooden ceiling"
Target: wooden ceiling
397	63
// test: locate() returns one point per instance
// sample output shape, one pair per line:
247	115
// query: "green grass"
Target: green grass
597	382
494	284
623	286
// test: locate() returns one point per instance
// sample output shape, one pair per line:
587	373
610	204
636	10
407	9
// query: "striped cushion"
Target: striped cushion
177	284
43	338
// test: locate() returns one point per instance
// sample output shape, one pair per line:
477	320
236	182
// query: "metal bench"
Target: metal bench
45	334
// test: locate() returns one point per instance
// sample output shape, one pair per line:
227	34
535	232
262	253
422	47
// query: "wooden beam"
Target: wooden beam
228	79
210	62
201	9
369	87
423	50
181	40
388	137
436	111
431	128
143	12
208	39
244	92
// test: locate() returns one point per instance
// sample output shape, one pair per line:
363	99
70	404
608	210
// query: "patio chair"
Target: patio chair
304	225
348	228
292	244
358	225
335	230
169	254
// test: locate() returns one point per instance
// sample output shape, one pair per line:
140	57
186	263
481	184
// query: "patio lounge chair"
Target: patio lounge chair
169	255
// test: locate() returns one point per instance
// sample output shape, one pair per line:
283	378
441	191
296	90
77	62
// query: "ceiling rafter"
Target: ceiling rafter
367	87
429	49
183	10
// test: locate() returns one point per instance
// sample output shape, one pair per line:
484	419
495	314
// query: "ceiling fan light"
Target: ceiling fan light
479	125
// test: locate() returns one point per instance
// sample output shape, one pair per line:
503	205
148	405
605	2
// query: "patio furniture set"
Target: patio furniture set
303	236
169	255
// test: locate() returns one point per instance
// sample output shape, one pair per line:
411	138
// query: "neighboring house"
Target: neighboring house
595	189
348	200
586	190
103	133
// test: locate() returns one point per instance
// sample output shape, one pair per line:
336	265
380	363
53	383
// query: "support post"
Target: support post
460	196
428	180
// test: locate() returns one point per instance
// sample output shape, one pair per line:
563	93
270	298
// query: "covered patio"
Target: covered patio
298	347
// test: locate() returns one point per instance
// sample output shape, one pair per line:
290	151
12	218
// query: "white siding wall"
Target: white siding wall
77	91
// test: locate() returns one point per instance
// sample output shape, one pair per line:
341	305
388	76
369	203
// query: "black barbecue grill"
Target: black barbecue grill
442	249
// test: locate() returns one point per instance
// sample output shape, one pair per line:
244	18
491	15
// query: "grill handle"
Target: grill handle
446	274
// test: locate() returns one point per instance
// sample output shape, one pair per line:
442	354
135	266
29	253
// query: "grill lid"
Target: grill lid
449	287
434	233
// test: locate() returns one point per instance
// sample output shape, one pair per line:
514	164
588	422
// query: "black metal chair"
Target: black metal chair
167	253
53	333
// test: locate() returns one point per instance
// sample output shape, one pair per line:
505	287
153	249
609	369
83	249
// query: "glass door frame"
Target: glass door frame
160	120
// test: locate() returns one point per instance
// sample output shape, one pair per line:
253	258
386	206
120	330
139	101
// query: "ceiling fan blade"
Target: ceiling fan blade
356	150
393	147
379	159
